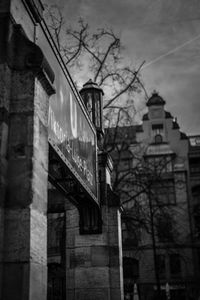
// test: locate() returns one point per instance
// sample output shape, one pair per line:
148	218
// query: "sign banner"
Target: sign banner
71	133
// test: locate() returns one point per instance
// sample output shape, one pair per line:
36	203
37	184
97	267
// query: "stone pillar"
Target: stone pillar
94	261
25	207
4	109
5	80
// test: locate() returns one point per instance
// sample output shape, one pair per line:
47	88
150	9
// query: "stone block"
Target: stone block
41	103
70	294
1	230
5	78
100	256
38	237
70	238
116	294
81	257
40	146
72	218
95	277
114	256
19	193
3	139
93	294
91	240
39	187
113	235
17	235
22	93
38	281
70	279
115	278
18	133
16	281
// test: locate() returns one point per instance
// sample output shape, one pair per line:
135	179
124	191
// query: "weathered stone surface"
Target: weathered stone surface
72	218
81	257
70	279
41	103
115	278
93	277
38	281
88	294
17	235
5	80
38	237
116	294
100	256
94	268
93	239
25	234
4	107
3	139
17	287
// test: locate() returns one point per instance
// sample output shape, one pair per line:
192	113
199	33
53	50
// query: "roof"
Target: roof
183	136
175	125
155	99
91	85
145	117
168	115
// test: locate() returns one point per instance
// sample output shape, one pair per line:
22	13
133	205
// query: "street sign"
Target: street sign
71	132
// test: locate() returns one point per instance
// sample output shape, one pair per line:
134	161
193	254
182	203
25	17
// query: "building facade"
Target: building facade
59	219
157	177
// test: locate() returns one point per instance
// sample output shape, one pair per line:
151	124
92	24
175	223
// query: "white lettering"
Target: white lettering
73	116
68	144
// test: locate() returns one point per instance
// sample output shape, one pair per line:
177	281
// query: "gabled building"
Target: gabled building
154	172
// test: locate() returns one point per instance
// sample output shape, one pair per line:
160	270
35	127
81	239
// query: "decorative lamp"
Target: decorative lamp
92	96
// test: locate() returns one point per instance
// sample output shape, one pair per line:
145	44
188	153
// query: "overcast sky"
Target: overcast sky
164	33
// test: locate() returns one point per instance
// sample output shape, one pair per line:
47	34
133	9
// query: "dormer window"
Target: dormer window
157	128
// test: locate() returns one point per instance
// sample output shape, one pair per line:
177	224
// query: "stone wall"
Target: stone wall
94	266
25	231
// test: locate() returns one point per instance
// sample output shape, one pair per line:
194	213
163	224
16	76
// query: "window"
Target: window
161	267
88	103
164	192
160	164
164	229
56	282
194	165
90	221
157	128
175	264
55	234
